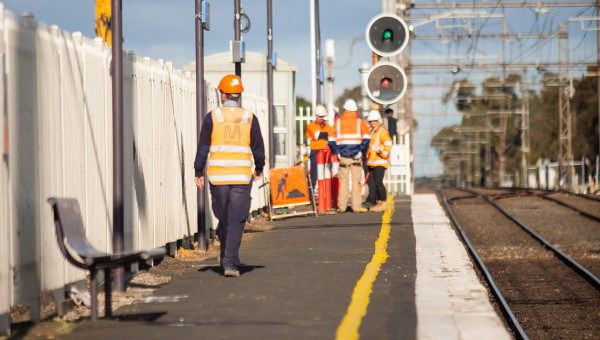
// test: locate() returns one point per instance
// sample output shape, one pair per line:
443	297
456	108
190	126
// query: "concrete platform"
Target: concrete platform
402	274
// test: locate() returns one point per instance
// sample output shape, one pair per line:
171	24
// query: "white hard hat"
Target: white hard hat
320	111
350	105
374	115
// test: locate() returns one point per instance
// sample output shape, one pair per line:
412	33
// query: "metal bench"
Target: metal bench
71	239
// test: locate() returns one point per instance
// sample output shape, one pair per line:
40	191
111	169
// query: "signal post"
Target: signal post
386	82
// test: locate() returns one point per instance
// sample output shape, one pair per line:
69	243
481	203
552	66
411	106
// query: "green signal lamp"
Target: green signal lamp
387	34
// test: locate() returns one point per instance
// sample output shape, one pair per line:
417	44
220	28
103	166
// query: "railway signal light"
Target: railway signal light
387	35
385	83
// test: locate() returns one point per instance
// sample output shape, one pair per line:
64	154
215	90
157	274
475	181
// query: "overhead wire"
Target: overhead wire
350	53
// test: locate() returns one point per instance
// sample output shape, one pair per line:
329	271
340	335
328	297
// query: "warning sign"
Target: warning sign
288	186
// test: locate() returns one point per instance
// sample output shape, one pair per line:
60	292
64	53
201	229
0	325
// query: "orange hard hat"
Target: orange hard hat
231	84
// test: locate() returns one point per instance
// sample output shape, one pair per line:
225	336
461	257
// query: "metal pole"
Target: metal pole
523	144
330	57
117	105
598	78
270	80
237	33
318	51
313	66
200	114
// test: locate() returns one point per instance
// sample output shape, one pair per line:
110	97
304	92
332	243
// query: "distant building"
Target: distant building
254	79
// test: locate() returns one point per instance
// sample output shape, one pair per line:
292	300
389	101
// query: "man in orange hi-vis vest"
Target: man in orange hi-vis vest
378	160
317	135
229	138
349	139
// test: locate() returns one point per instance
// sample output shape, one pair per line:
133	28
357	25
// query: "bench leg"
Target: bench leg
107	292
94	293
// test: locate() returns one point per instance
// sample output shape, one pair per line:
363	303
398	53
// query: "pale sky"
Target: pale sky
163	29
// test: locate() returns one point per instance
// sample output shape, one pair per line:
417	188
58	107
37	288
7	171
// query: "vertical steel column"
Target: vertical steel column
201	235
330	58
565	152
313	66
525	135
270	81
318	51
237	33
117	105
503	116
598	83
488	151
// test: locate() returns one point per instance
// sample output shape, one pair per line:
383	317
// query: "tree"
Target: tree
488	111
545	121
492	109
302	102
354	93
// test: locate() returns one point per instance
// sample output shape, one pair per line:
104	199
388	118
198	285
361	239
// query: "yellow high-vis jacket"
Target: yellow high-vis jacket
230	157
380	146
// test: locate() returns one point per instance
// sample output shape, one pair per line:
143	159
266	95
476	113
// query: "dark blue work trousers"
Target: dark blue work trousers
231	204
377	191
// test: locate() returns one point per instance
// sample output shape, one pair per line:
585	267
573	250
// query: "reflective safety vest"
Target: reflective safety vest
230	157
313	130
348	133
380	143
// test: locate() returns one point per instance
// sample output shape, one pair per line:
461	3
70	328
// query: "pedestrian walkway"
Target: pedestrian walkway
402	274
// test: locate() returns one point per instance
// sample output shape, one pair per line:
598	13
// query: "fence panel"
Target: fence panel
59	123
5	217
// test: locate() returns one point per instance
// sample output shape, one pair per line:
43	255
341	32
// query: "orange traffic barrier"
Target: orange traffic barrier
324	180
335	181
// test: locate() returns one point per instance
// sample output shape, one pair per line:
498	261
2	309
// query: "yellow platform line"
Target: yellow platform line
348	328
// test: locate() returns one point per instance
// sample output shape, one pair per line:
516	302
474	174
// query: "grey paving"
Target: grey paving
296	283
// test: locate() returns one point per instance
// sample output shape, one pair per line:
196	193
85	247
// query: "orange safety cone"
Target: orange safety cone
327	180
321	180
324	180
335	181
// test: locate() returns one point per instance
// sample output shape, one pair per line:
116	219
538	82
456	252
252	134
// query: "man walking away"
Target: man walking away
349	139
229	138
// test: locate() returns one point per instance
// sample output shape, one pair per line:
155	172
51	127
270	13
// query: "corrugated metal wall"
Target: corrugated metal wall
57	101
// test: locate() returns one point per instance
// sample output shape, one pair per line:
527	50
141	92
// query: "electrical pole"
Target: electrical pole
237	34
524	136
117	106
330	58
565	88
598	84
313	64
318	52
501	148
270	62
200	114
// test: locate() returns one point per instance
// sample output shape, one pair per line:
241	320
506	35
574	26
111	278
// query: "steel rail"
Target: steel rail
512	320
562	256
592	198
581	212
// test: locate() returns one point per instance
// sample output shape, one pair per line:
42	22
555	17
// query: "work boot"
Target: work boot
368	204
381	206
360	210
231	271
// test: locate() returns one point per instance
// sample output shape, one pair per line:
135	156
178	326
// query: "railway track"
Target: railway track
539	252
